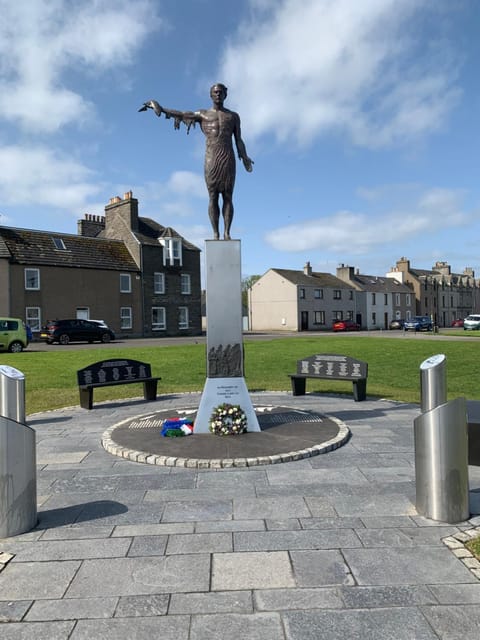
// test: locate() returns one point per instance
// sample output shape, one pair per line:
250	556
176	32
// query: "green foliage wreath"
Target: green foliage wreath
228	420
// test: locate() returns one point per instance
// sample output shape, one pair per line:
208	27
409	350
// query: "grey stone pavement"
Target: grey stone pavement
327	547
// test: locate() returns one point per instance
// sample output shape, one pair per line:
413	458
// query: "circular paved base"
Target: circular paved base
286	434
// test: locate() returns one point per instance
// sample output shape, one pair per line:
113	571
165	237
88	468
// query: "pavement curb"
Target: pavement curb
456	544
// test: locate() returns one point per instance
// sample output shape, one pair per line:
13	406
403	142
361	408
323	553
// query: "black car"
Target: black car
65	331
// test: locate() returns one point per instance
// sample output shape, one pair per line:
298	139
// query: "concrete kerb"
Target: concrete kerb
456	544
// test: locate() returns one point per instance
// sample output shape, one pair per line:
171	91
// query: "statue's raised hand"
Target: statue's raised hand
152	104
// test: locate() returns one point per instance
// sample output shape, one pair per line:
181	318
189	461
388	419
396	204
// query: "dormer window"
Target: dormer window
172	251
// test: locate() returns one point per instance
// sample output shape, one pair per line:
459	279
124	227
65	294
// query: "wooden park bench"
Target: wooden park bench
109	373
328	366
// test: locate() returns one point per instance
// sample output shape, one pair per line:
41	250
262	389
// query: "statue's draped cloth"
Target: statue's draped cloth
220	163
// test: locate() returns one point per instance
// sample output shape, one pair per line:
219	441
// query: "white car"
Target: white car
472	322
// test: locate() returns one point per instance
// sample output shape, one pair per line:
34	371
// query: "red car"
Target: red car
345	325
457	323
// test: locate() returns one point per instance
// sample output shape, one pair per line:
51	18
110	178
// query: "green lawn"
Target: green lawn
393	367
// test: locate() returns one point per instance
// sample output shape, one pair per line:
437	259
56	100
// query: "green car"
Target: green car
13	335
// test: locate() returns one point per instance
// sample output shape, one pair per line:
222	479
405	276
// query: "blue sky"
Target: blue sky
362	119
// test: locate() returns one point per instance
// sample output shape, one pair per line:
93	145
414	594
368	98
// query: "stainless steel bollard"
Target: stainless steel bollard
18	478
441	448
433	382
12	393
18	474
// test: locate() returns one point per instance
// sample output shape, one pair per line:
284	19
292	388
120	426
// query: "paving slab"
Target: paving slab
320	568
36	580
214	602
37	630
166	628
261	626
374	624
143	575
416	565
72	609
251	570
142	606
461	622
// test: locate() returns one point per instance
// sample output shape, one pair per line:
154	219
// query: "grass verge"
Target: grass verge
474	547
393	368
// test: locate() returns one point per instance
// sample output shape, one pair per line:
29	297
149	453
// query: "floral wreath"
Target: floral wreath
228	420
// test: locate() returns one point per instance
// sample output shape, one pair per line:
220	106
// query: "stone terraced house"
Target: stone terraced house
141	278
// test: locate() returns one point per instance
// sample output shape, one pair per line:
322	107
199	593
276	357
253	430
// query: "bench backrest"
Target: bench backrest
113	371
329	365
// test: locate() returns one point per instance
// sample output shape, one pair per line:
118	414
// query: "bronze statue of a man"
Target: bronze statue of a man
218	125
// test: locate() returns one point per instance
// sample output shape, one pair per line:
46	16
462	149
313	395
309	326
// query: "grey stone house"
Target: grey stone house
379	300
290	300
143	279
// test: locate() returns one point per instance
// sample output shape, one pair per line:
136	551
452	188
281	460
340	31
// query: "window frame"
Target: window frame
36	271
172	251
59	243
128	316
126	276
185	324
37	320
185	278
162	325
158	275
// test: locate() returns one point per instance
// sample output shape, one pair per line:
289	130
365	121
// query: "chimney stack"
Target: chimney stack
307	269
121	213
90	226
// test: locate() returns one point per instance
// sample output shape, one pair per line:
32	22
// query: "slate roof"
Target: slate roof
150	231
455	278
379	284
25	246
317	279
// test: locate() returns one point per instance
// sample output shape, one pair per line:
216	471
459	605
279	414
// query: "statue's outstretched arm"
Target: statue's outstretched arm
188	118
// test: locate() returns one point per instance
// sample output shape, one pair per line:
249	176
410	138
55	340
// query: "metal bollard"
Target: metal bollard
12	393
18	474
433	382
441	448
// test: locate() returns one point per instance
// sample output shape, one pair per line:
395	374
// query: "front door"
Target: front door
304	321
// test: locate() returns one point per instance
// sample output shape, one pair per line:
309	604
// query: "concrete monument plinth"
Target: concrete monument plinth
225	381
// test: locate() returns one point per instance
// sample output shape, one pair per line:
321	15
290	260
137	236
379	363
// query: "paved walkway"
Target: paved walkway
328	547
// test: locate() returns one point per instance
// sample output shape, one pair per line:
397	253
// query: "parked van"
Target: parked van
13	335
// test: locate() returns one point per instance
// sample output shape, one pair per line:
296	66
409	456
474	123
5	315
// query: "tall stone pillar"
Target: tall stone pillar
225	372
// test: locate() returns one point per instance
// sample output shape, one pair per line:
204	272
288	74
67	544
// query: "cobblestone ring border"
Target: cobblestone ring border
144	457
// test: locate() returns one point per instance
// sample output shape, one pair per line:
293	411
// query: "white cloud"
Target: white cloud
302	68
359	233
37	175
40	39
187	183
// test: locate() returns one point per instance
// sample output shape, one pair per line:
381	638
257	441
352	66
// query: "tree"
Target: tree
247	284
